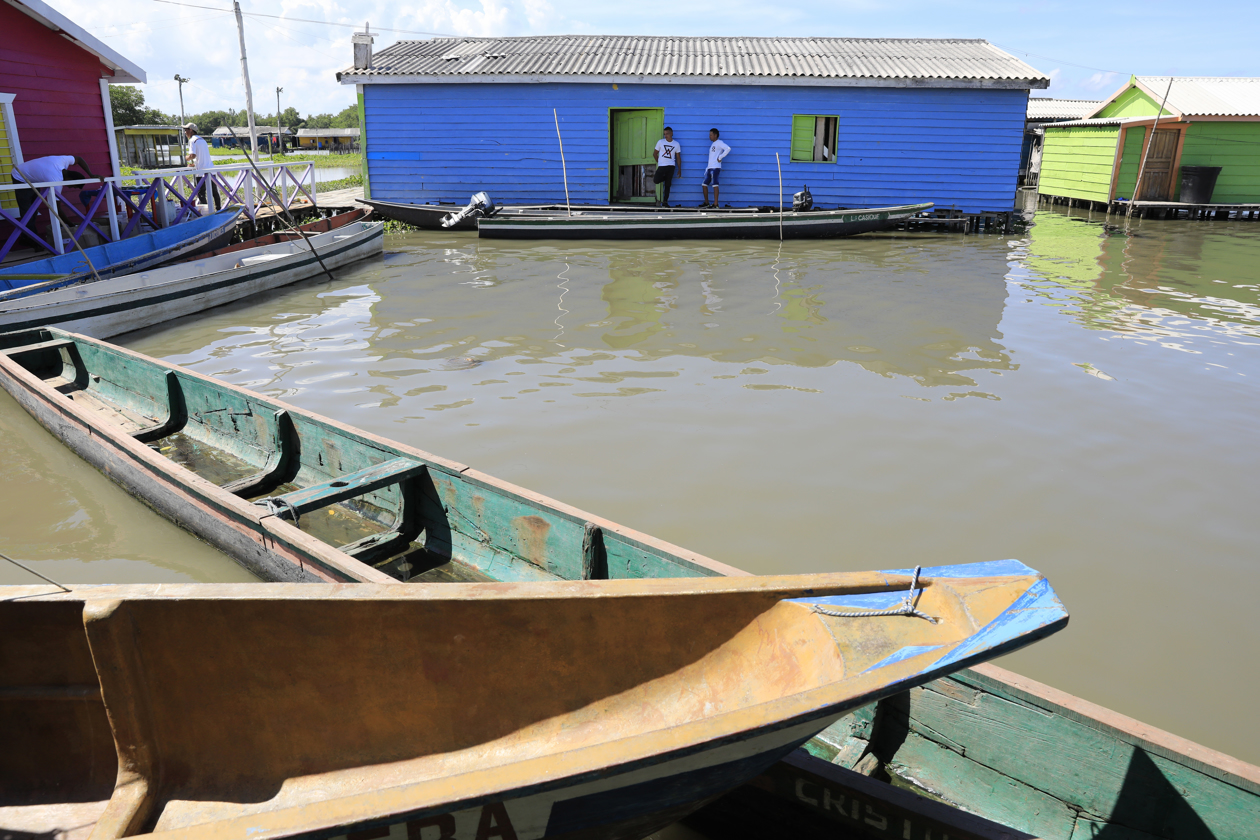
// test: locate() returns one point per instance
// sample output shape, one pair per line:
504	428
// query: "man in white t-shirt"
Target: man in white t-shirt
199	159
43	170
668	157
717	153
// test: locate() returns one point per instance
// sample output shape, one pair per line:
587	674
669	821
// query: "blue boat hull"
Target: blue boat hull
125	256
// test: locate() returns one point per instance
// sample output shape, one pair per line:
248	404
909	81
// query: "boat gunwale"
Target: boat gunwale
1190	754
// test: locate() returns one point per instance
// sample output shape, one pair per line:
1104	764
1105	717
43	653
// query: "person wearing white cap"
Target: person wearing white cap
199	159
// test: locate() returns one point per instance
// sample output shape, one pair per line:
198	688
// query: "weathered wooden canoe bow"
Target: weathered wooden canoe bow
588	709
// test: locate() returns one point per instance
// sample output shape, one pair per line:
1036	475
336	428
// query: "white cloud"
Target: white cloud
1101	82
303	58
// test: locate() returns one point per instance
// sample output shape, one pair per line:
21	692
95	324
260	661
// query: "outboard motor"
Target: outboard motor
479	206
802	201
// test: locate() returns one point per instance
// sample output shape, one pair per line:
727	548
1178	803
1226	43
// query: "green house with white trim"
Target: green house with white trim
1204	122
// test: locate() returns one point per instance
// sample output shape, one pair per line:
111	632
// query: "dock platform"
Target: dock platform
1161	209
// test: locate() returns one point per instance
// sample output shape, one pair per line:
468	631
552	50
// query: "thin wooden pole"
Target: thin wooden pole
779	164
568	209
249	91
1150	141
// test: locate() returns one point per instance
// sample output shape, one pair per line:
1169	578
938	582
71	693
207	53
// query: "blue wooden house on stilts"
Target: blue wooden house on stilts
863	122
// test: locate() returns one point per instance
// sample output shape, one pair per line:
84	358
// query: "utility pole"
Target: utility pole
279	125
182	119
181	80
249	91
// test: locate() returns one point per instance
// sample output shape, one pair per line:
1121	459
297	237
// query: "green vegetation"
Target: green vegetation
395	226
342	184
127	103
352	161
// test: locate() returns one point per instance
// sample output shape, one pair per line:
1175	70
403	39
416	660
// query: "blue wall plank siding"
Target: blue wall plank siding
442	142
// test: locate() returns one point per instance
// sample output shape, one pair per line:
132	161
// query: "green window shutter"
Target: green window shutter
803	137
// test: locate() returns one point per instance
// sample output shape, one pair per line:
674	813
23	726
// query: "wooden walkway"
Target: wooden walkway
347	199
1160	209
350	197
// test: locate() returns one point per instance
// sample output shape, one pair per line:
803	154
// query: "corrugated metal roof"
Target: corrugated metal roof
243	130
616	55
328	132
1101	121
1205	96
1044	108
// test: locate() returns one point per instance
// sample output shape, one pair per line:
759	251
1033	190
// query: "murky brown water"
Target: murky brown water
61	517
1078	399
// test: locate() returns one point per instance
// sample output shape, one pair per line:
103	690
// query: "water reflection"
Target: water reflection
1160	280
888	306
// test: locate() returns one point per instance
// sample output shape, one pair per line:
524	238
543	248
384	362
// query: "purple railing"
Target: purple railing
117	208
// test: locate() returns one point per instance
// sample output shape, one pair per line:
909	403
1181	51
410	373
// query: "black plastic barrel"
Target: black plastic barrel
1197	183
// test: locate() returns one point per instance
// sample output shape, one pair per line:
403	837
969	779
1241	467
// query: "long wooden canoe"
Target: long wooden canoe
122	257
117	305
198	450
432	216
593	709
699	224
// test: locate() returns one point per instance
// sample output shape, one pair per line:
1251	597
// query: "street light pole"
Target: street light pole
279	125
181	80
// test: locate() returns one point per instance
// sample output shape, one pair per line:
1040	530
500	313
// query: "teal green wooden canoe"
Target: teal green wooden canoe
298	497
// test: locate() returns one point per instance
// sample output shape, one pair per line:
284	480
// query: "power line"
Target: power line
307	20
1011	49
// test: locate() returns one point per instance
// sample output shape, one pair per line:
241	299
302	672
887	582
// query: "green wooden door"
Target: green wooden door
634	135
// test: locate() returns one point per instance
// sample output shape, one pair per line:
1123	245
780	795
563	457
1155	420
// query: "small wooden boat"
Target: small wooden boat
122	257
595	709
213	448
424	216
310	229
117	305
699	224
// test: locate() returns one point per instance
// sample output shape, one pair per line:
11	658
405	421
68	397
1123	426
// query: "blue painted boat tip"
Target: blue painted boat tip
987	568
1035	614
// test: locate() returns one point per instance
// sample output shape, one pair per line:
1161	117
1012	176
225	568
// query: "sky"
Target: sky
1088	49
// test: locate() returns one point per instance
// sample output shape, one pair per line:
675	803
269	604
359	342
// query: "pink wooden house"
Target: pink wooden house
54	91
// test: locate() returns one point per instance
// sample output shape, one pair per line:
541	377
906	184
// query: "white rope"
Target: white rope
906	607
